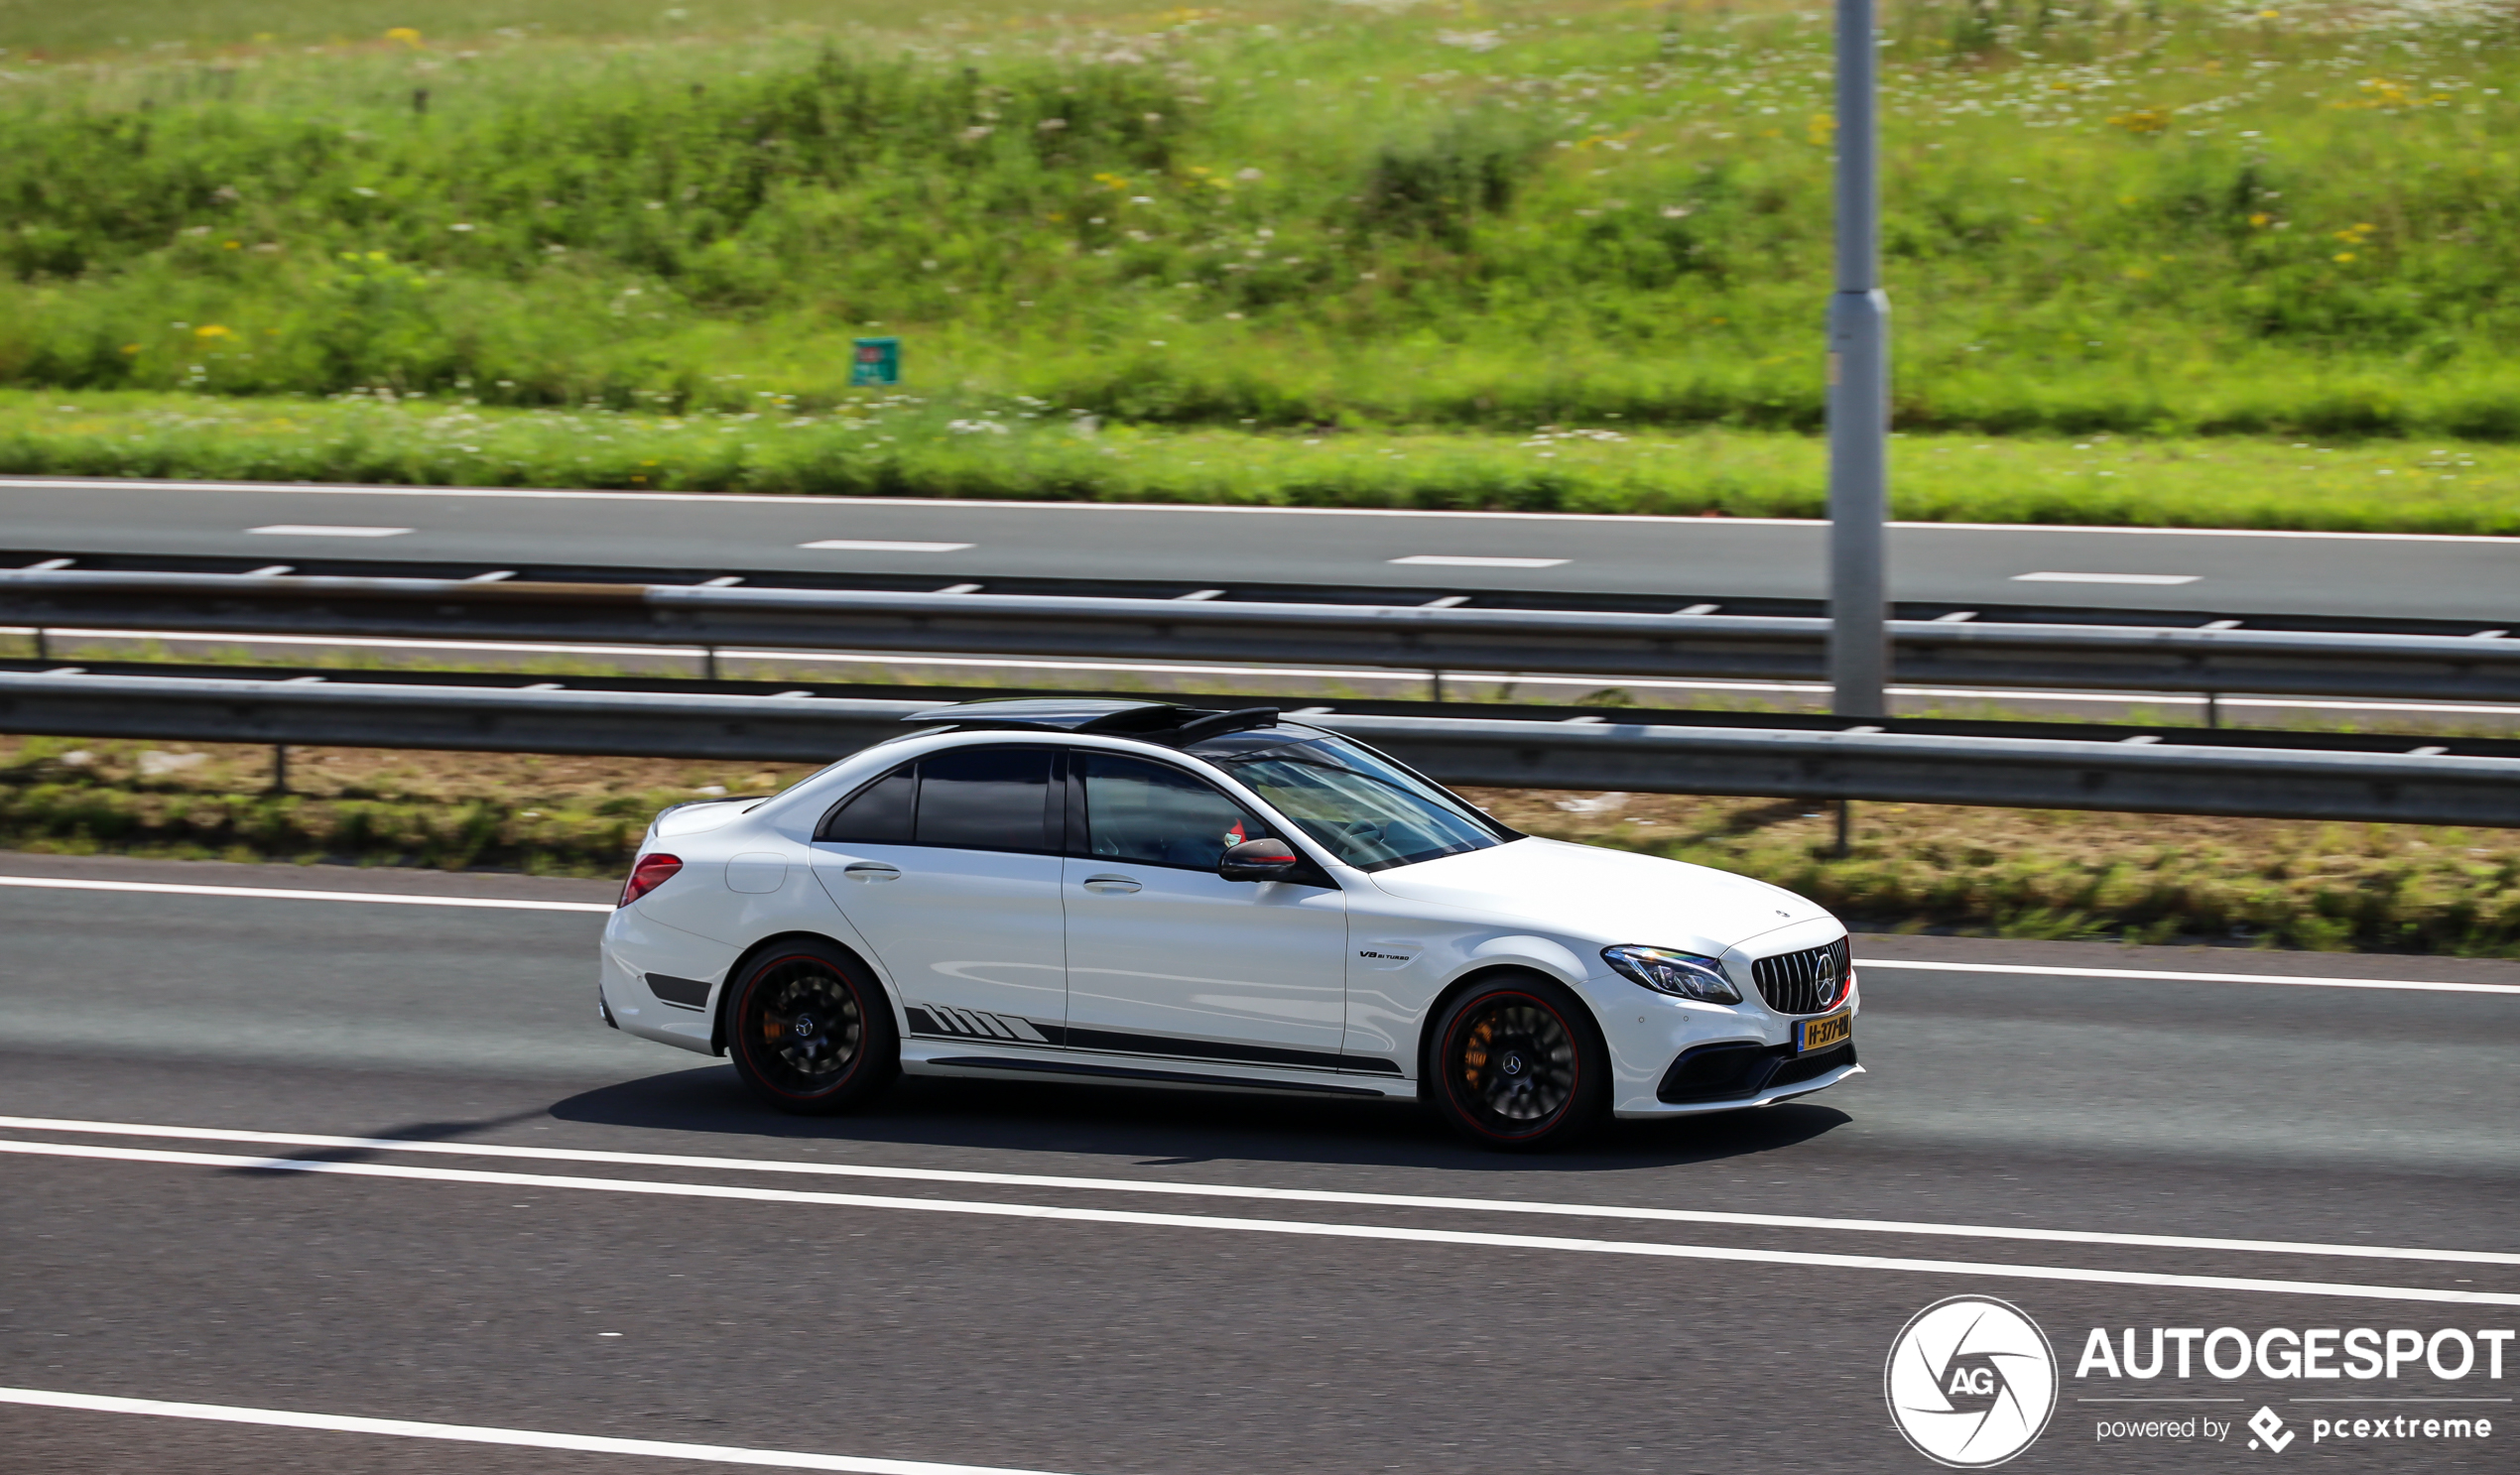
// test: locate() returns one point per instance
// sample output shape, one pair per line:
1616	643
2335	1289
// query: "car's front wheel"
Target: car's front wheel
810	1029
1518	1064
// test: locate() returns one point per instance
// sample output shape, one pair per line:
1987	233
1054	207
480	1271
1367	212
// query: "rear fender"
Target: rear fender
727	993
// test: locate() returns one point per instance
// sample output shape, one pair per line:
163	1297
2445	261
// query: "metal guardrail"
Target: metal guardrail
2033	772
1411	638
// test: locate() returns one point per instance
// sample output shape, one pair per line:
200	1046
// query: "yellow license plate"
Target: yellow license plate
1820	1034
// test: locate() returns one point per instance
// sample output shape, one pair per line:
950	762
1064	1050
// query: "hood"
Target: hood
1607	895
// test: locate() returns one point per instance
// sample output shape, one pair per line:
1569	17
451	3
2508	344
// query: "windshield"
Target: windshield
1363	807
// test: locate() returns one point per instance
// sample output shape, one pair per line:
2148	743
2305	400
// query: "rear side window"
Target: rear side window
879	813
971	798
1158	815
987	798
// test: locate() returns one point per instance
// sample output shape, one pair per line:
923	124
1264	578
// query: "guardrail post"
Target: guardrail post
709	661
279	768
2214	709
41	652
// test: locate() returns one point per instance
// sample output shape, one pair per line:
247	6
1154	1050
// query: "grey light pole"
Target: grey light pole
1858	390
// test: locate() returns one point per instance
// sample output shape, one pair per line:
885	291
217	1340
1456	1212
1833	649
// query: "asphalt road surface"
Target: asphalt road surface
2359	575
2307	1157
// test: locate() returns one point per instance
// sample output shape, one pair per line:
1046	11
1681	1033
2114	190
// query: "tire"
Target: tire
1518	1065
810	1030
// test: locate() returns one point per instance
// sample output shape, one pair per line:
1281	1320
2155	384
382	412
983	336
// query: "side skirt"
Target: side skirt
956	1059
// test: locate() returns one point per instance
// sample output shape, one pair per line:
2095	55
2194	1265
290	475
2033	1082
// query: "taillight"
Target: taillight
651	871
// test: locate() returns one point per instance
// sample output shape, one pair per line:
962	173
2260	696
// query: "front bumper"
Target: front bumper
1745	1075
1679	1057
1732	1072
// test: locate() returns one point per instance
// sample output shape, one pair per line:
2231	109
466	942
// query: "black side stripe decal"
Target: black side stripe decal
940	1022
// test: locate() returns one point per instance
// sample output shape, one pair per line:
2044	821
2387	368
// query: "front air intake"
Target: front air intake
1808	982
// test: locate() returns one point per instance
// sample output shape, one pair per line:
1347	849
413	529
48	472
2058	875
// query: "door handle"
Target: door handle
1111	885
871	870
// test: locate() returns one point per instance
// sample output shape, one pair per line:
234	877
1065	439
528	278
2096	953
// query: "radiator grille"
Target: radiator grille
1808	982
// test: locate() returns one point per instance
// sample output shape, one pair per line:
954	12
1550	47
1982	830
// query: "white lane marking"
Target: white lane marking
1309	1228
267	893
278	893
1476	560
2052	577
2290	980
466	1434
1241	1190
885	545
327	529
1697	524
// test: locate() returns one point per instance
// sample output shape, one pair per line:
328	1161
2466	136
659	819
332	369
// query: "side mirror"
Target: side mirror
1258	860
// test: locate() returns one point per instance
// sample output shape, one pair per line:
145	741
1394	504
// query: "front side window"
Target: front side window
1151	814
1366	809
965	798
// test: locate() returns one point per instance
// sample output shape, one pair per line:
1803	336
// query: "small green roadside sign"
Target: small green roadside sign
877	361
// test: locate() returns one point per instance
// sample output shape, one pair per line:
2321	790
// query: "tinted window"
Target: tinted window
1146	811
877	815
987	798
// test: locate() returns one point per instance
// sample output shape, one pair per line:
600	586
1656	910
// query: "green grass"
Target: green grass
2135	878
894	444
2154	218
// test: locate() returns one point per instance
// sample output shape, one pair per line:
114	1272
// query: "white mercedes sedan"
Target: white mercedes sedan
1145	893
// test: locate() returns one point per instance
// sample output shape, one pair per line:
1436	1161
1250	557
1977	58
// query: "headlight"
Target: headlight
1683	974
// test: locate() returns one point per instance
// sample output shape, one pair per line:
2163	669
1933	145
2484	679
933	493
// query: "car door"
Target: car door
1165	957
948	867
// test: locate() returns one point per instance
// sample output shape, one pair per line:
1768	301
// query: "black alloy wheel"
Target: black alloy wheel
1518	1065
810	1032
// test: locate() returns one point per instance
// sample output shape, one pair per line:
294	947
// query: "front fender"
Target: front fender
1540	955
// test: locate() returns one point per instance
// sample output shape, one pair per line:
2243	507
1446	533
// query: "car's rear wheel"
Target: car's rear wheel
810	1032
1518	1064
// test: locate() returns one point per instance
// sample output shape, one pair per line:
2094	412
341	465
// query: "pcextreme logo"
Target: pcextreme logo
1970	1382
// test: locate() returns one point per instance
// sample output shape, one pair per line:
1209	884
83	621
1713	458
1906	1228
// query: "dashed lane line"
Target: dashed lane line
1307	1228
466	1434
1644	1213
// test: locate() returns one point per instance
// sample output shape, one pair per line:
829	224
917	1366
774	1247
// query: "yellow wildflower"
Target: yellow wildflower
404	35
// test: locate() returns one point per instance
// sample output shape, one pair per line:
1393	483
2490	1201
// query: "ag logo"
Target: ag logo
1971	1382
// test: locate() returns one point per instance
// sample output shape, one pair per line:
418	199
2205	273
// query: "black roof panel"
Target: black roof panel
1063	714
